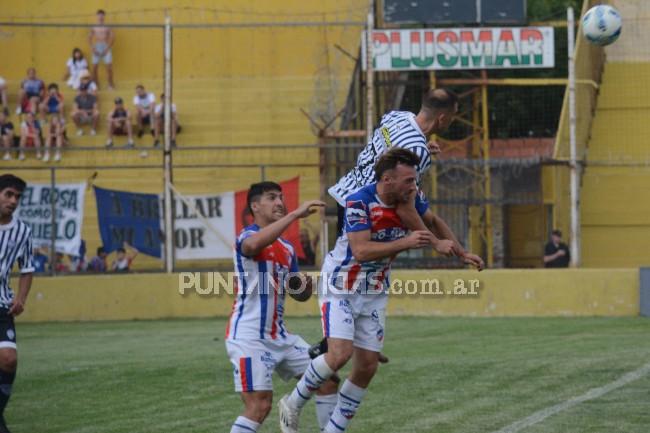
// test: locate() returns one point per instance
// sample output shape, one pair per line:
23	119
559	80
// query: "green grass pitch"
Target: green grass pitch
445	375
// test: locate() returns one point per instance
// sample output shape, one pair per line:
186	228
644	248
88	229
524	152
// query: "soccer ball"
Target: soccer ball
601	25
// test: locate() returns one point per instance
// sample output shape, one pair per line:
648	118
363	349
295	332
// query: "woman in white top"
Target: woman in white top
76	66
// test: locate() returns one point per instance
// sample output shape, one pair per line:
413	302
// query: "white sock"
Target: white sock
350	397
244	425
316	375
325	405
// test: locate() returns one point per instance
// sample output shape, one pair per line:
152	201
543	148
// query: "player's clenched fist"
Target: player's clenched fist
419	239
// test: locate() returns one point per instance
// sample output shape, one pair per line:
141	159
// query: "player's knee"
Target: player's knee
9	361
336	359
262	409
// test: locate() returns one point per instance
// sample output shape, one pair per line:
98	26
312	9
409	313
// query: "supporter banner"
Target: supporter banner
136	218
36	210
462	48
129	217
209	237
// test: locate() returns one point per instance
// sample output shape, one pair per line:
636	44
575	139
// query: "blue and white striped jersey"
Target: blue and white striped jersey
258	310
396	129
15	244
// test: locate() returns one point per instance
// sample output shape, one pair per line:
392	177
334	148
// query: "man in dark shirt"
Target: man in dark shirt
556	253
85	110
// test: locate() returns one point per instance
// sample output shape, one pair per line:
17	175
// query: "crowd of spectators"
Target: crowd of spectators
42	113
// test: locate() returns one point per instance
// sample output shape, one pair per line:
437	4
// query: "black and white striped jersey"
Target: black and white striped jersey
15	244
396	129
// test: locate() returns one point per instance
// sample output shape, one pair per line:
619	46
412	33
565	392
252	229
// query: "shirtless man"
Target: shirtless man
101	47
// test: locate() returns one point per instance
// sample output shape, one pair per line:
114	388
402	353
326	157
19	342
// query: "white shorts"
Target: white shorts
340	320
254	361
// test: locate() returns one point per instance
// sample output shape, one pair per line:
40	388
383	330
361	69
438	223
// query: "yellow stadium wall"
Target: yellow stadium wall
567	292
227	51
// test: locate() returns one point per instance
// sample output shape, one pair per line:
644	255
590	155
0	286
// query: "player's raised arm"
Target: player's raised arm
268	234
442	230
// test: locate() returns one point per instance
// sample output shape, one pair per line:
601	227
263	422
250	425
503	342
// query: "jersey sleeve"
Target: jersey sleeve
26	257
357	214
245	234
421	202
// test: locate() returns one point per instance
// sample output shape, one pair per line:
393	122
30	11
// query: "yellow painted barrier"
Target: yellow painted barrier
492	293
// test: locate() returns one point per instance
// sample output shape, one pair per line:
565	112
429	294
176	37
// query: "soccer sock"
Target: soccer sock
350	398
6	382
244	425
325	405
316	375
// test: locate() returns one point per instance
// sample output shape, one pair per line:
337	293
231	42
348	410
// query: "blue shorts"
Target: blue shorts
108	57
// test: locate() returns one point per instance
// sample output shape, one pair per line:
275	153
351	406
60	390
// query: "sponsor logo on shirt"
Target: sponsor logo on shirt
356	213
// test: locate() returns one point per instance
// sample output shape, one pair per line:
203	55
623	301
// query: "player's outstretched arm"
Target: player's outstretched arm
365	250
441	229
267	235
413	221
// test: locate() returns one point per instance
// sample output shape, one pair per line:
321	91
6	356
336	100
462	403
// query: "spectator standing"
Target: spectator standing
60	265
74	68
122	262
101	39
98	263
6	135
309	238
119	123
556	253
144	103
85	110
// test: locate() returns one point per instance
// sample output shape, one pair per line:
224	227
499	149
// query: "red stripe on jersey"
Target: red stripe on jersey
382	275
352	276
383	218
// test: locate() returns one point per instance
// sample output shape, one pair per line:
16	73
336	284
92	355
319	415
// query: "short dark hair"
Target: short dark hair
256	190
11	181
440	100
557	233
101	250
389	160
53	86
101	11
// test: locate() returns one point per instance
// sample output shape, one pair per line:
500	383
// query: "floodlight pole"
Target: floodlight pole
573	160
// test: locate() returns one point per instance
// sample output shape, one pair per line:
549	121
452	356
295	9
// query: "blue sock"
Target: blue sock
316	375
350	397
244	425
